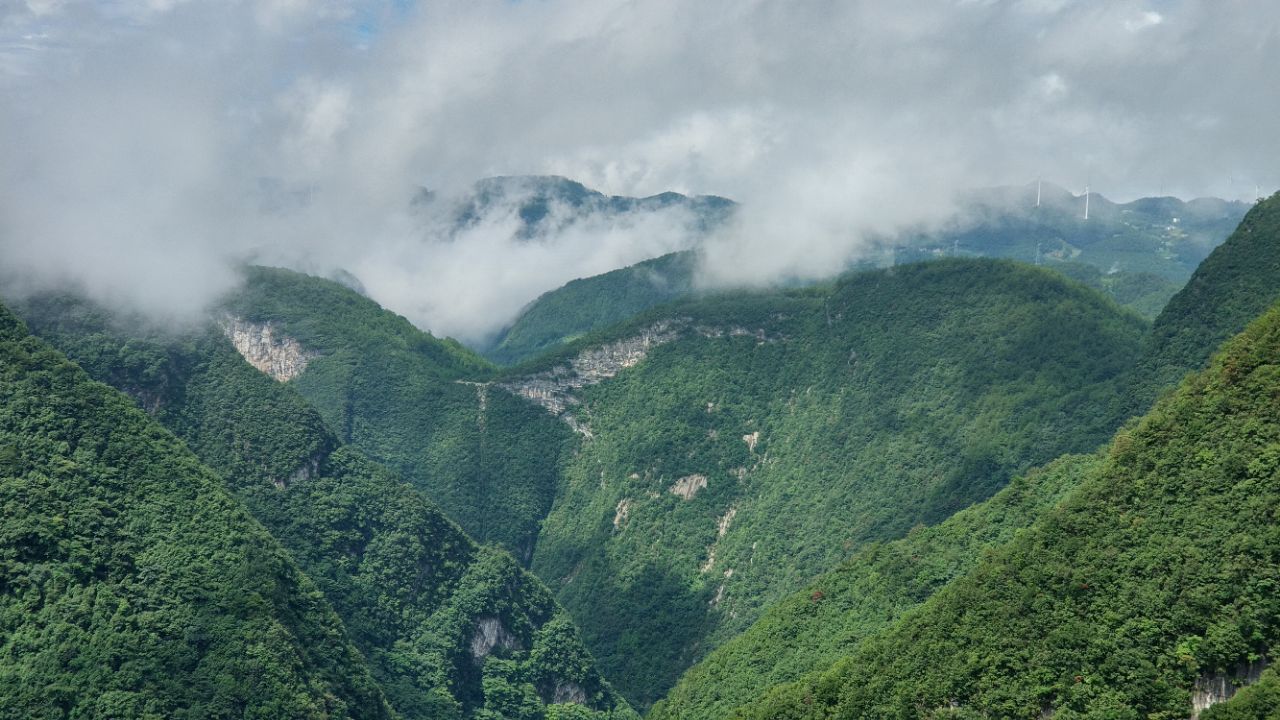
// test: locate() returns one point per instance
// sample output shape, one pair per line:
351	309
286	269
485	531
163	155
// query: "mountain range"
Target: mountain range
958	485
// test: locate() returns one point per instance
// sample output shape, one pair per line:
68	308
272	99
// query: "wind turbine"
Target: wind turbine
1086	202
1037	192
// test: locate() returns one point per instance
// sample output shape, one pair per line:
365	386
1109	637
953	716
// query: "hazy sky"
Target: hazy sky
147	145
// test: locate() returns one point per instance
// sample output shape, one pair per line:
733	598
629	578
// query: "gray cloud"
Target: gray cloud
139	135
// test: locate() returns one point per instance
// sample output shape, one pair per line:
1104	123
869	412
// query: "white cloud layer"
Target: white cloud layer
138	137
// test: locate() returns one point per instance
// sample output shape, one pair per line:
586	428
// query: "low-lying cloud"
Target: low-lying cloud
147	146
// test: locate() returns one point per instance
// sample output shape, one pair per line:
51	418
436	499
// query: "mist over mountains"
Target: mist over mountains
605	360
138	132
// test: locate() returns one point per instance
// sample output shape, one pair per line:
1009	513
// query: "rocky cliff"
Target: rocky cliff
275	354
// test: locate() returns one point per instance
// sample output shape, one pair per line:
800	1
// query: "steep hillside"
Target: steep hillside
1255	702
408	400
450	629
581	306
813	628
737	446
1143	293
1151	588
1139	253
1163	236
131	584
1235	284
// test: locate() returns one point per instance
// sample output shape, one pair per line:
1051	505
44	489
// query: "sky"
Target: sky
149	146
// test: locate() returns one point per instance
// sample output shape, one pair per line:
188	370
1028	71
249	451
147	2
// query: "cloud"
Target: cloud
149	144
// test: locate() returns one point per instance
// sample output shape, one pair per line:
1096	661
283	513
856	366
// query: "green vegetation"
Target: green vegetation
1144	293
411	401
803	425
449	629
594	303
1138	253
1234	285
1161	236
813	628
131	584
1161	567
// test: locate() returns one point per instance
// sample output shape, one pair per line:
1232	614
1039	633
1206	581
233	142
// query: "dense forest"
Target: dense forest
417	404
132	584
449	629
1138	253
1234	285
814	627
567	313
856	498
813	421
1156	574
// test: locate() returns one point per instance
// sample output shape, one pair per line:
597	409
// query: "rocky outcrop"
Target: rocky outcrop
265	348
555	389
568	692
722	527
490	634
621	512
688	486
1213	688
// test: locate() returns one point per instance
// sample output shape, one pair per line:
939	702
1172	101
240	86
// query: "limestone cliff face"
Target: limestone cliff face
1214	688
490	633
275	354
555	389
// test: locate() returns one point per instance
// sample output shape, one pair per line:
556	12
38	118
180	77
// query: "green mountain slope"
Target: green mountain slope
1153	578
1234	285
450	629
1139	253
1163	236
813	628
581	306
411	401
131	584
750	441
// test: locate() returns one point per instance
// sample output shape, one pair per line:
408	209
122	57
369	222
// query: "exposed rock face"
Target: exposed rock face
688	486
569	692
722	527
554	389
751	440
1213	688
279	356
620	514
491	634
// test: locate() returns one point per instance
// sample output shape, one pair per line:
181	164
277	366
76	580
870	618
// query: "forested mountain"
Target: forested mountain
450	629
562	315
813	628
703	479
1235	284
413	402
1163	236
1150	587
132	585
796	489
765	436
1138	253
546	204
